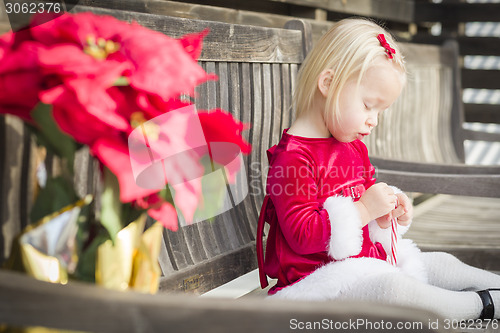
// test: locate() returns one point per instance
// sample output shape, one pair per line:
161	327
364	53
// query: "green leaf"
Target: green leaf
111	205
50	135
130	214
121	81
167	195
213	193
57	193
85	270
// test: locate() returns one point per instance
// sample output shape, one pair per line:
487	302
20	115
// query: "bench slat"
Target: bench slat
226	42
87	308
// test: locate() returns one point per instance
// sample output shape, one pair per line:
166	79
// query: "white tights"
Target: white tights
450	292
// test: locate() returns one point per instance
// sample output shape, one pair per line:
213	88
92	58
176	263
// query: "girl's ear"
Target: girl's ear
324	81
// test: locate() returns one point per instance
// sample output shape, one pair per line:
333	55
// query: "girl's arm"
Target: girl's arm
377	201
308	226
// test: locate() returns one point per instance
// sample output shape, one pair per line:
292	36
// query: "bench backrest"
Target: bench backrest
425	123
257	69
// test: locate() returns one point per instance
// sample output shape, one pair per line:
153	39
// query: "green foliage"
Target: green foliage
50	135
111	207
57	193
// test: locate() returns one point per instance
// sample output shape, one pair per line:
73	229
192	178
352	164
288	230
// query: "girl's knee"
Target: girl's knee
440	258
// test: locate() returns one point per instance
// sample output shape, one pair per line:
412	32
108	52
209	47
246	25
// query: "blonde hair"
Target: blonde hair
348	48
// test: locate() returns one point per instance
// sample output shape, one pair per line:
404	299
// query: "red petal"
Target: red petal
115	156
220	126
166	215
193	43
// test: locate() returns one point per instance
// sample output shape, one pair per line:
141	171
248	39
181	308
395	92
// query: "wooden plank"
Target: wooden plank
277	109
286	115
482	113
242	216
232	219
473	185
460	169
453	12
211	273
82	307
4	250
485	46
480	78
395	10
225	42
247	106
198	11
12	159
176	243
459	225
266	120
257	113
481	136
28	181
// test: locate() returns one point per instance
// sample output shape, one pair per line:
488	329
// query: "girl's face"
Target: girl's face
360	106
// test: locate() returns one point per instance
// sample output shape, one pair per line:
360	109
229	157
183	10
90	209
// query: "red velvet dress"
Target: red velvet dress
303	173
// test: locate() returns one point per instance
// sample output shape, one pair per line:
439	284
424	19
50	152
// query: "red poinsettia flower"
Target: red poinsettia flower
220	126
105	78
20	77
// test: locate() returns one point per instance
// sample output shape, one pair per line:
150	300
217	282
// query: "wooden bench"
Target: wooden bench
256	68
419	147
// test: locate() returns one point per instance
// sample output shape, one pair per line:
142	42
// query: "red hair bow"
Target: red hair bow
388	49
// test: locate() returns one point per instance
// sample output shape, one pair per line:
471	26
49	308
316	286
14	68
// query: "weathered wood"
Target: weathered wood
82	307
211	273
14	198
225	42
450	12
4	20
482	113
481	136
434	168
396	10
198	11
427	100
484	46
457	184
480	78
446	223
306	33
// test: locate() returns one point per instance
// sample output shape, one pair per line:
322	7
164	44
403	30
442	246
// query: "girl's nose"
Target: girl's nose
372	121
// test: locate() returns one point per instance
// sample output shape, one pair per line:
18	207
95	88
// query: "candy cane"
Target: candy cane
392	258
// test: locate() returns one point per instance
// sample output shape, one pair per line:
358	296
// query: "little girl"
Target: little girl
329	235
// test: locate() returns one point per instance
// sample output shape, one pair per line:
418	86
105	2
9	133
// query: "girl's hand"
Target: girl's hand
403	213
378	200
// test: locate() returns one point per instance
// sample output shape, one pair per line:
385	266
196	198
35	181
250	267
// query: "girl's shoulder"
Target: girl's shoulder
310	150
360	147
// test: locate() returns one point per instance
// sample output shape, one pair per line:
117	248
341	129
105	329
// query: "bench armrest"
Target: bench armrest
481	136
79	306
443	183
460	169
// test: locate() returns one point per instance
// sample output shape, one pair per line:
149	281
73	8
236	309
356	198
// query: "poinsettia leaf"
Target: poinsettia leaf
57	193
130	214
213	193
51	136
167	195
111	205
85	270
121	81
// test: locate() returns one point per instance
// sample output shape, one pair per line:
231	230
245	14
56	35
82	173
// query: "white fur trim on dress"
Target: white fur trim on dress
346	234
330	280
335	278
